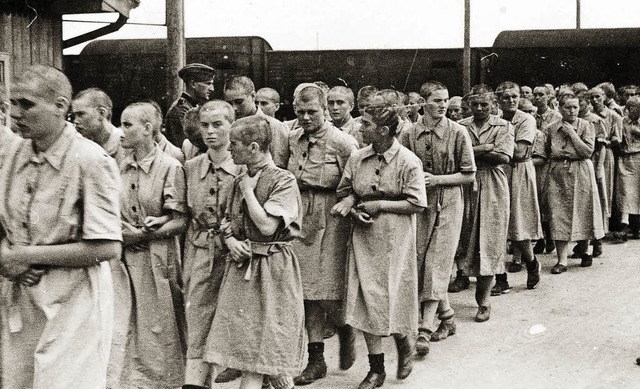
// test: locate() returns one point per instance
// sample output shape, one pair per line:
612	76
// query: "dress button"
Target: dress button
134	209
428	147
133	186
299	167
24	225
374	188
378	172
210	209
212	191
304	155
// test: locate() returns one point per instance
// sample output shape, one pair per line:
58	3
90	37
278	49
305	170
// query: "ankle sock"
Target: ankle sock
376	363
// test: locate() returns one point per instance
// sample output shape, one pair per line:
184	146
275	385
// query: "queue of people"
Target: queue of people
228	247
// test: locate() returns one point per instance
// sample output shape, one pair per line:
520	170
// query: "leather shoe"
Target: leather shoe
587	260
347	346
550	246
372	380
228	375
460	283
514	267
445	329
405	356
558	268
314	371
483	314
533	273
538	248
597	248
422	343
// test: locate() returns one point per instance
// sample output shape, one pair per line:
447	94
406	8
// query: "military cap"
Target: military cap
196	72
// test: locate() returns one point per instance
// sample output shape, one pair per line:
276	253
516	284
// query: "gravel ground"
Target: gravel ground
579	329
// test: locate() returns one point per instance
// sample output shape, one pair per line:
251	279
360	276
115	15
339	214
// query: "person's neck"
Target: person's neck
413	116
143	149
431	121
103	136
43	144
508	115
480	122
259	163
542	109
383	145
217	156
342	122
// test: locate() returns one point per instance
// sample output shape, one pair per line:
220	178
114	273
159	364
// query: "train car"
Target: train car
401	69
133	69
591	56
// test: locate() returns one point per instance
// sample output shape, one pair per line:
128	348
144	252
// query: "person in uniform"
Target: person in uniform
91	110
483	243
268	100
414	106
318	154
444	147
240	92
611	142
194	145
209	181
154	214
571	192
544	116
628	195
598	159
382	188
524	216
340	103
59	218
258	326
198	81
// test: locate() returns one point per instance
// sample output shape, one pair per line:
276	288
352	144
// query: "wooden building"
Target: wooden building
31	31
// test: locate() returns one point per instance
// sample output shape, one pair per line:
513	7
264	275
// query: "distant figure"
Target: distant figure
240	92
454	109
340	104
414	107
526	92
268	100
194	145
91	110
198	79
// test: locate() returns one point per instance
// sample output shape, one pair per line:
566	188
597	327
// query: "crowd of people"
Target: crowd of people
219	243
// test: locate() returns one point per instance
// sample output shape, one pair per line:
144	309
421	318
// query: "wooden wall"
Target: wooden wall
38	43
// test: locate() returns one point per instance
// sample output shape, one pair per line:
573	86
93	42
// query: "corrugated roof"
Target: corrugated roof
575	38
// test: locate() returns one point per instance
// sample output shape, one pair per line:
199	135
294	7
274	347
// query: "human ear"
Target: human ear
62	104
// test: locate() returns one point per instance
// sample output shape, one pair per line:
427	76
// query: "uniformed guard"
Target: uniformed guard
198	79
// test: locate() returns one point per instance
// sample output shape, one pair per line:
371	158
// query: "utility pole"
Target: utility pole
578	14
466	57
176	50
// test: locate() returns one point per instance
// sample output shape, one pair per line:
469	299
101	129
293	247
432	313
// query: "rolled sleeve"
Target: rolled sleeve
284	200
101	200
174	192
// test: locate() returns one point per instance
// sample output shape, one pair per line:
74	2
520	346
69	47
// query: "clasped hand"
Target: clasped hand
15	269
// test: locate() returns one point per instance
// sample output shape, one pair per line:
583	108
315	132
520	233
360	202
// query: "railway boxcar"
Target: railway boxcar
132	69
557	56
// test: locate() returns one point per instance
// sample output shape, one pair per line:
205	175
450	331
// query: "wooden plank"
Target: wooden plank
56	39
18	54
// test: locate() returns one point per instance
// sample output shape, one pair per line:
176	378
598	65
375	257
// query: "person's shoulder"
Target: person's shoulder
454	126
341	137
194	162
524	117
168	159
466	122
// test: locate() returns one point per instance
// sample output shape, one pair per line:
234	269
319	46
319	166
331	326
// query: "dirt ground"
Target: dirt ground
579	329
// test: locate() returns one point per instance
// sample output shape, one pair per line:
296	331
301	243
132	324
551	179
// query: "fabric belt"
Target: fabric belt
307	188
258	250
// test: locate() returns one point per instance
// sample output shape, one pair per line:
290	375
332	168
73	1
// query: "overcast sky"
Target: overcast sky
364	24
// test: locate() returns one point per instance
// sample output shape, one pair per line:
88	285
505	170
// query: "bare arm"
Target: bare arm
84	253
454	179
266	223
583	149
374	207
521	149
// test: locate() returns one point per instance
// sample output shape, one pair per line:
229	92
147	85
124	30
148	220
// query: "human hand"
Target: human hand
430	180
152	223
371	208
238	251
31	277
248	184
361	217
343	207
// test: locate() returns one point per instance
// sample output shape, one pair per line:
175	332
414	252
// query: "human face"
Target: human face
243	103
633	111
87	118
134	130
414	105
481	106
369	129
310	115
215	128
363	104
540	96
628	93
31	111
509	100
203	90
454	111
436	104
525	92
267	106
465	109
240	153
584	107
569	110
339	106
597	100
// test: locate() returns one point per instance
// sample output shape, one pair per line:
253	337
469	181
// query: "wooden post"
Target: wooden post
578	14
176	49
466	57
